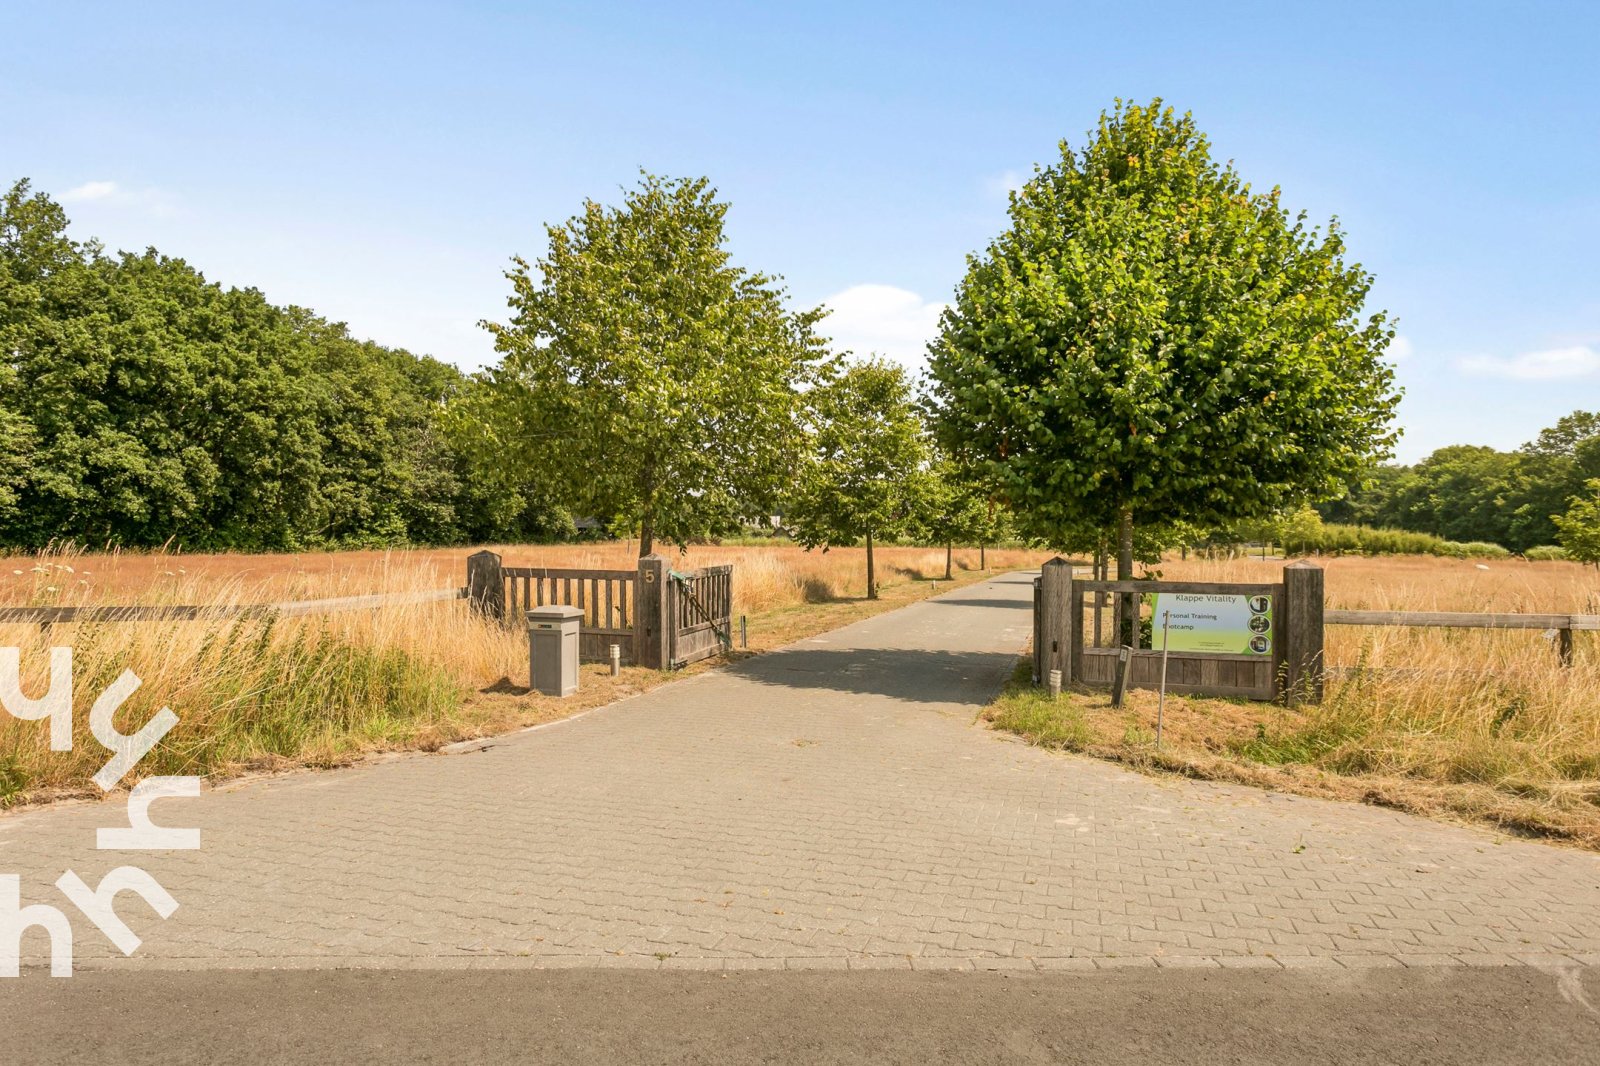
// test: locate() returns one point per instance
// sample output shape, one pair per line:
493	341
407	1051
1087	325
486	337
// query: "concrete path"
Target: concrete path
1140	1017
832	805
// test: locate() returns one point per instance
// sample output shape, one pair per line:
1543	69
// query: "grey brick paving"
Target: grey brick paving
832	805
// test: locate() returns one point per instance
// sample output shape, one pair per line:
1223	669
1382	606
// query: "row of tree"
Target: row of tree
141	405
647	380
1518	499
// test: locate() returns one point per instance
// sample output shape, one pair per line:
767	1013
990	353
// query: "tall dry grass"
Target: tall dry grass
1455	705
1485	724
768	577
268	691
250	692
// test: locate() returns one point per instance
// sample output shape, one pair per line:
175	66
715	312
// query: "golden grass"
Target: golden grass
1477	724
265	694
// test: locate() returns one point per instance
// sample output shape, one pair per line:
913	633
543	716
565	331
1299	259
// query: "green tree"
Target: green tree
653	383
864	477
1462	492
16	440
954	508
1365	502
1579	528
1151	342
140	403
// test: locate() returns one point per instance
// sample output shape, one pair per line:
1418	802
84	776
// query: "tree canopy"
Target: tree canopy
1477	493
864	477
646	379
955	508
1151	341
141	404
1579	528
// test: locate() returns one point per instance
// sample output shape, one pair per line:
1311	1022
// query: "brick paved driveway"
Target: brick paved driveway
829	805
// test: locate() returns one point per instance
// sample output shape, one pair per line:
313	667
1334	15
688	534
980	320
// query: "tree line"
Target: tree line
1521	500
142	405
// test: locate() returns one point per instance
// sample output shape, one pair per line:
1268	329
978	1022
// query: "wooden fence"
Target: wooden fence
606	598
1062	639
657	617
1289	664
50	616
1562	625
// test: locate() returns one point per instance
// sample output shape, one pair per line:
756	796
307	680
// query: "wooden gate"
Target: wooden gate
700	609
660	619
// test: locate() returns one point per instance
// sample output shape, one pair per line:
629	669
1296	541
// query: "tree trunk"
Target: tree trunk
949	549
983	557
1129	603
872	575
647	537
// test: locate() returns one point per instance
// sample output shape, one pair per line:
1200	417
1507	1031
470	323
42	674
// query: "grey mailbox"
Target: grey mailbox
553	649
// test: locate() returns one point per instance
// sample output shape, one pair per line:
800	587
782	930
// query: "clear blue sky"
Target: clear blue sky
381	162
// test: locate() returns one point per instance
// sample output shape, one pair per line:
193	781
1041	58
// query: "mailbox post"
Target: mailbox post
553	649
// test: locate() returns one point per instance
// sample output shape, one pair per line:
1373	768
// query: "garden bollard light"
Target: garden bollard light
1055	684
616	659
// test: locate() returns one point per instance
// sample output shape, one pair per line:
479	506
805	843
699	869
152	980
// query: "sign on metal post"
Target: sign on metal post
1161	698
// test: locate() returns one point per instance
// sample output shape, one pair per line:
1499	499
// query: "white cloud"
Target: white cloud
90	190
882	320
1554	364
1399	349
109	194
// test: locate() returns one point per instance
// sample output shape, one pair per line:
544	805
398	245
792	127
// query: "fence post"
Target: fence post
1056	624
1564	644
486	587
651	624
1302	632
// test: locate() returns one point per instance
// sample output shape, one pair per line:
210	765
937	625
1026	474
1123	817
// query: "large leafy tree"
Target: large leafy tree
646	378
1152	341
865	478
140	403
956	508
1579	528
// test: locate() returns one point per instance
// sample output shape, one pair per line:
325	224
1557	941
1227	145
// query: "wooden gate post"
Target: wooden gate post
1301	629
486	587
652	626
1057	627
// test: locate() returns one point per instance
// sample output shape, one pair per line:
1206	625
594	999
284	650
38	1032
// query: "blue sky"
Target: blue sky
380	163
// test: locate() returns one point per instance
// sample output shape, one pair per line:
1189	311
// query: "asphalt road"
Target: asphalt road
1456	1015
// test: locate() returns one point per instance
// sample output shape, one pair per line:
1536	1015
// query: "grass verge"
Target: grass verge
1348	749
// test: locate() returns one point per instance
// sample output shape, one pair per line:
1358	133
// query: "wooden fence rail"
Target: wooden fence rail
47	616
1564	625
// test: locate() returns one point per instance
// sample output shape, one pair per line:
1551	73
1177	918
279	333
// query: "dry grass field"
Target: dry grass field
1477	724
262	694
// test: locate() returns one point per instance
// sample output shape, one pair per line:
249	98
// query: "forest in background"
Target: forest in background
142	405
1472	493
